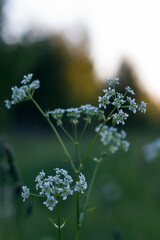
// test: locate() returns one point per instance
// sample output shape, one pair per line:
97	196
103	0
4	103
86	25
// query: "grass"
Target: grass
126	193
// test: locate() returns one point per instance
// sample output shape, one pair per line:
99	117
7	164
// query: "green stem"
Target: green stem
78	212
56	133
78	216
89	192
81	216
84	129
67	133
36	195
59	224
95	138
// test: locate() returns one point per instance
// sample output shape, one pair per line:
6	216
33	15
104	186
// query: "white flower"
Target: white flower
89	111
110	92
27	78
113	81
8	104
50	202
132	104
125	145
81	185
142	107
25	193
103	101
112	139
119	101
34	85
129	90
58	186
24	92
120	117
73	114
57	114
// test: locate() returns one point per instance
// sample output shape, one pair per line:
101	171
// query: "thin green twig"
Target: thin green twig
95	138
56	133
67	133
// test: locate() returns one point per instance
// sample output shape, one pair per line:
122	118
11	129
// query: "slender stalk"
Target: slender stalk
67	133
56	133
78	216
77	233
89	192
97	134
81	216
59	224
78	210
36	195
84	130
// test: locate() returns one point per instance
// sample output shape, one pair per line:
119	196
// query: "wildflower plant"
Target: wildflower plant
59	187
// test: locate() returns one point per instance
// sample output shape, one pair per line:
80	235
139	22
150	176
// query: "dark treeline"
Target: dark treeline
66	75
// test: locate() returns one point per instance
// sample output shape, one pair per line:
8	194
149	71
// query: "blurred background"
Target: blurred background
72	47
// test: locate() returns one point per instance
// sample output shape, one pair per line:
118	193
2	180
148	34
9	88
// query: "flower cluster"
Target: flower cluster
152	150
113	81
119	101
74	114
55	187
120	117
113	139
81	185
57	114
24	92
25	193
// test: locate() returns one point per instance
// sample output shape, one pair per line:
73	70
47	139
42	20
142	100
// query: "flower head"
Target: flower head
25	193
112	139
142	107
54	187
57	114
23	93
50	202
129	90
120	117
81	185
113	81
27	78
73	114
89	111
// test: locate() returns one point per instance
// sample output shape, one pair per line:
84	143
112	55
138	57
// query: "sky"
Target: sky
117	30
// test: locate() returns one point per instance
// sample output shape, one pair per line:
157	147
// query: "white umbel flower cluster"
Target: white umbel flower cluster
24	92
120	101
55	187
113	139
